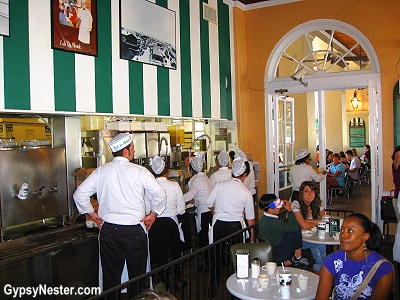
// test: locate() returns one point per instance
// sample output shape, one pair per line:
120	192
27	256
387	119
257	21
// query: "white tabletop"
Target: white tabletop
249	289
313	238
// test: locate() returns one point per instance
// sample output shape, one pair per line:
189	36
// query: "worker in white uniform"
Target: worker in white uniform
232	202
223	173
199	188
165	234
120	186
302	171
249	182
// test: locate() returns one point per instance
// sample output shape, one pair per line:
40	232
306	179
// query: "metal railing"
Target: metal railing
204	271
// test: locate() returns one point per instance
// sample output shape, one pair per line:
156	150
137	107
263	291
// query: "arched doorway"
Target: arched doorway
314	74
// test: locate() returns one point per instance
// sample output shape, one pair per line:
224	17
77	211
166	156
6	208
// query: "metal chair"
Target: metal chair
388	214
352	182
334	190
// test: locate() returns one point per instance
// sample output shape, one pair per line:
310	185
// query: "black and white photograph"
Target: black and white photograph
147	33
4	18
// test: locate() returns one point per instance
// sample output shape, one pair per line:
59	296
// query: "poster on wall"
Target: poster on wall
74	26
147	33
5	18
357	132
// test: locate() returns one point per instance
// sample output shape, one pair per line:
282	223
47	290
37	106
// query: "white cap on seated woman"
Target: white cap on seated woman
302	153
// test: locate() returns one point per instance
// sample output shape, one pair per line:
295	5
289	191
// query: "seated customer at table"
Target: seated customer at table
354	166
285	237
336	172
347	268
308	210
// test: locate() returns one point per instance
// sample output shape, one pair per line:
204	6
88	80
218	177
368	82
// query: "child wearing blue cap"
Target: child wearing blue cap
285	237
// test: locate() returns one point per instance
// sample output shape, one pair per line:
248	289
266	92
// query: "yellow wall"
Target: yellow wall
258	31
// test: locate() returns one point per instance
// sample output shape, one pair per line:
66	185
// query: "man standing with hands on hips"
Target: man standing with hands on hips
123	223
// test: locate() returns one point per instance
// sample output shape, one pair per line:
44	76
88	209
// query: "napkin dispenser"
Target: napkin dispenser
336	224
242	263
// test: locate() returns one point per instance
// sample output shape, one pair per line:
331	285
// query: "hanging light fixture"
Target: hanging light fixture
355	100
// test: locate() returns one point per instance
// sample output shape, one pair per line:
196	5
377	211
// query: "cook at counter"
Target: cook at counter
199	188
120	187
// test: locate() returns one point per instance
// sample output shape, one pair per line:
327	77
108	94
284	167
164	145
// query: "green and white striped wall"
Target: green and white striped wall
36	78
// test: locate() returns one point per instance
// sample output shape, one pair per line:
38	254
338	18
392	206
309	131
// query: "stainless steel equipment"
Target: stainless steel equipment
44	172
151	144
139	142
95	149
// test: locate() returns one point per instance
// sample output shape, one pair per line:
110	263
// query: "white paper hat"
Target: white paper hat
302	153
157	164
238	166
120	141
240	153
197	163
223	158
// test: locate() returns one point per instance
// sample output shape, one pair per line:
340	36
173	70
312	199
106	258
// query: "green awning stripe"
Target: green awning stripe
136	96
185	58
64	81
225	61
163	81
16	63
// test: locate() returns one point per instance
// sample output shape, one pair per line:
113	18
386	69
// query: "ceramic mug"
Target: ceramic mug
263	280
270	267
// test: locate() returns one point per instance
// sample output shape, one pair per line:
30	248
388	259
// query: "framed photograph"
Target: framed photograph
5	18
74	26
147	33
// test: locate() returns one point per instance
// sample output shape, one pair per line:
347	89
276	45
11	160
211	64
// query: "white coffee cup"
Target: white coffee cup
270	267
285	281
302	280
263	280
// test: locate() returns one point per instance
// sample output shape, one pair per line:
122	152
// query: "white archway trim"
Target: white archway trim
320	82
314	25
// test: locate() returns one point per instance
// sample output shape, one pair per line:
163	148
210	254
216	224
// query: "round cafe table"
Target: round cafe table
329	241
249	289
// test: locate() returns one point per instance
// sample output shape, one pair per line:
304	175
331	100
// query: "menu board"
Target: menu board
357	132
396	110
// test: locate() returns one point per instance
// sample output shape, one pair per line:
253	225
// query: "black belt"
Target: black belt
120	224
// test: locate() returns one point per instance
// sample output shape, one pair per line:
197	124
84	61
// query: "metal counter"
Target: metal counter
66	256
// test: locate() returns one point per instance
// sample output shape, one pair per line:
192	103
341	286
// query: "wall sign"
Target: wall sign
357	132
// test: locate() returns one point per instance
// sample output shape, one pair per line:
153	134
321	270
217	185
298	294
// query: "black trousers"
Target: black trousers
120	243
221	230
164	242
206	219
290	242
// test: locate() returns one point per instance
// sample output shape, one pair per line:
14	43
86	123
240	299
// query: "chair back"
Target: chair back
261	250
388	214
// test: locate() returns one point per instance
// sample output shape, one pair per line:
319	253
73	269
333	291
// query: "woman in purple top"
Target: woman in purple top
346	269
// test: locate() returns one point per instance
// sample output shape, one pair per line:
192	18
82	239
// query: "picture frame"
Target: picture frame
147	33
5	18
74	26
